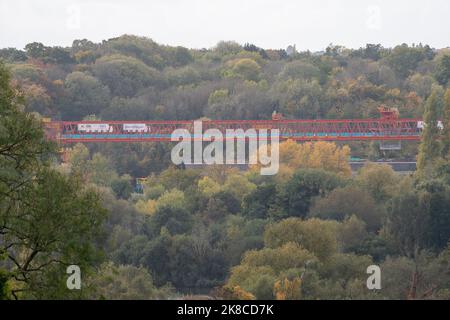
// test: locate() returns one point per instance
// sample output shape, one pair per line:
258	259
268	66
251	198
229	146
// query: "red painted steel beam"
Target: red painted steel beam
300	130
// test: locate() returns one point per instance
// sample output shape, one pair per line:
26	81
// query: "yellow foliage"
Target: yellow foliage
289	255
287	289
171	198
317	155
238	185
234	293
147	207
208	186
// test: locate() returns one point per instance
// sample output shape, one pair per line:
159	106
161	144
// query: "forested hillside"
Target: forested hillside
309	232
135	78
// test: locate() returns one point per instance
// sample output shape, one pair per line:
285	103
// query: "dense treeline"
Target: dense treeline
309	232
134	78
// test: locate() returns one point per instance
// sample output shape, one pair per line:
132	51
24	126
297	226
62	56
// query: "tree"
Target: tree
12	55
28	73
295	196
318	155
245	68
208	186
408	219
259	269
258	203
122	187
57	55
180	56
345	202
300	70
446	124
239	186
183	76
78	157
22	144
173	198
378	180
442	73
85	95
430	146
287	256
233	293
436	198
147	50
37	99
227	47
351	233
173	177
35	49
47	220
425	278
317	236
126	282
174	219
404	59
299	98
100	171
371	51
288	289
134	74
47	235
422	84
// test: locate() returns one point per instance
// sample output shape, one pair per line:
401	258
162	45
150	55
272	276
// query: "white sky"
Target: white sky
202	23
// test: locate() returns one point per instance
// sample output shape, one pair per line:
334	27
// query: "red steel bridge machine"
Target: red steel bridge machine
389	127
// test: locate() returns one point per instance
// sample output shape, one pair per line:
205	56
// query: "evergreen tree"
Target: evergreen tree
430	146
446	124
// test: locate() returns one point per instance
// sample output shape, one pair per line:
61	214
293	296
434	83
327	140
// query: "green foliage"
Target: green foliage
258	203
430	147
27	72
300	70
426	277
351	233
176	178
85	95
12	55
172	198
302	99
419	217
446	124
404	59
345	202
148	51
4	285
295	196
48	220
315	235
442	74
122	187
200	228
134	74
378	180
244	68
175	219
126	282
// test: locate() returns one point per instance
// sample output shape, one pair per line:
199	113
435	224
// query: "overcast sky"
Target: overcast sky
202	23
